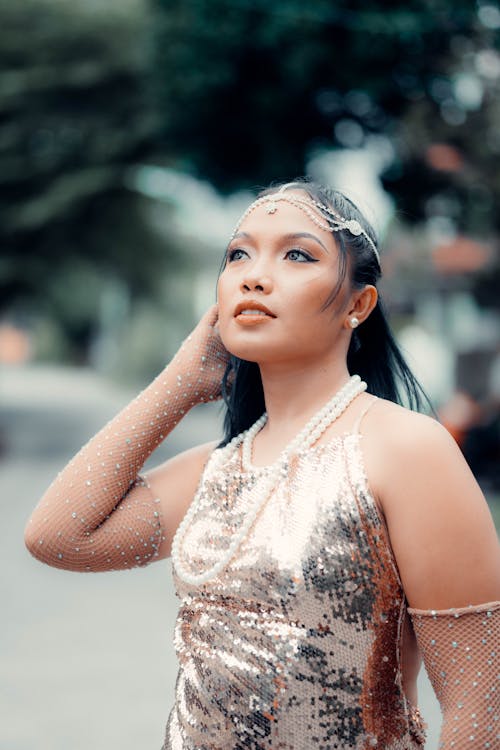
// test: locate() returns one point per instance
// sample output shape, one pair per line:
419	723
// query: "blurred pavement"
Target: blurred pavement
86	661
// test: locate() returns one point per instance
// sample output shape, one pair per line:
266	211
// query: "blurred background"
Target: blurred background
133	133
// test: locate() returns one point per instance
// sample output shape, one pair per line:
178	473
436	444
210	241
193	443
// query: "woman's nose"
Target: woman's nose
256	283
257	275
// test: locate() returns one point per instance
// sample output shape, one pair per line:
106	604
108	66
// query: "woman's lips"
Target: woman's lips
252	312
252	317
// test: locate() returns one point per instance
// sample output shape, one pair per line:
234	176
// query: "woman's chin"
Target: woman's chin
260	355
250	351
247	353
251	345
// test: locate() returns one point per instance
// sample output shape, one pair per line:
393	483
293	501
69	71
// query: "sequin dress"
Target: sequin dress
297	643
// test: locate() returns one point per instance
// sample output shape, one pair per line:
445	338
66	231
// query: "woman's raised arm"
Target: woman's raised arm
99	513
448	556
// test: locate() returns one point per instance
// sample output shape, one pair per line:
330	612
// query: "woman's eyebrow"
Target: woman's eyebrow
292	236
308	235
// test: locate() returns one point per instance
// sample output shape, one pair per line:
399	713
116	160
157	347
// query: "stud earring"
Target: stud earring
354	322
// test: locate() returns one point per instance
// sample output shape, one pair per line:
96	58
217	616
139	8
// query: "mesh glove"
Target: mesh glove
460	652
99	513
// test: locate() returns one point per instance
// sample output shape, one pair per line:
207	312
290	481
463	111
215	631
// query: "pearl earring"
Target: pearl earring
354	322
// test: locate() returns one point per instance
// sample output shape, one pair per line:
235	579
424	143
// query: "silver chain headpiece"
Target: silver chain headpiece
333	222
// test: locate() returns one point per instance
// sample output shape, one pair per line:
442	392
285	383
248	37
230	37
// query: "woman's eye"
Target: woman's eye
296	255
300	255
235	254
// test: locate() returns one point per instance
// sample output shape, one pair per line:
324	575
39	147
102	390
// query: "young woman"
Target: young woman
330	539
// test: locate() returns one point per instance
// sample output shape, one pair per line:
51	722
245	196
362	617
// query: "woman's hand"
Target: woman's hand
202	359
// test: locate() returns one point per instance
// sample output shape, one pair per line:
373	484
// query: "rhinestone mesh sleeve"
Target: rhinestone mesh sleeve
460	651
99	513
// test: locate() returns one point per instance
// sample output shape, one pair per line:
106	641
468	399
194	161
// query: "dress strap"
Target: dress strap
358	421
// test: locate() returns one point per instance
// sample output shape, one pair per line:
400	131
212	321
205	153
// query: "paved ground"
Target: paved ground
86	661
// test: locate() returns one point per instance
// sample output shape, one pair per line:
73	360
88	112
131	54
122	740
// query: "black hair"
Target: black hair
373	351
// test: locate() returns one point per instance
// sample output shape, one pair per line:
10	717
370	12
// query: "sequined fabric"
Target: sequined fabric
296	644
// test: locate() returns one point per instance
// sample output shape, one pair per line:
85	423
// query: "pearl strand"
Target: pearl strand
305	439
313	429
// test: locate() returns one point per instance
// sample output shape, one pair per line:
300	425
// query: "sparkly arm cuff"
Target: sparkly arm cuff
459	648
99	513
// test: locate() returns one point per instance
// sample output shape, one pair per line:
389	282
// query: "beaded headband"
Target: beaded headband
333	221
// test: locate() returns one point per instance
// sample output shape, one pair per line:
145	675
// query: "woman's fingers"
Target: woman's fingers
211	316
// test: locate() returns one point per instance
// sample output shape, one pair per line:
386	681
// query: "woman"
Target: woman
324	544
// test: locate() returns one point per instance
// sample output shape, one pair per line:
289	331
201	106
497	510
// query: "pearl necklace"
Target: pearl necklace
305	439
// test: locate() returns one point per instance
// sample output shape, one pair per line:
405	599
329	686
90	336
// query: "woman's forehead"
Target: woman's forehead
286	205
282	217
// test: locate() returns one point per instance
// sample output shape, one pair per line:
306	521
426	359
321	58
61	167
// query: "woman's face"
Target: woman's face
288	265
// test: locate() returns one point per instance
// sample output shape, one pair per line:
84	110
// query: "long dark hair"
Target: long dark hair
373	351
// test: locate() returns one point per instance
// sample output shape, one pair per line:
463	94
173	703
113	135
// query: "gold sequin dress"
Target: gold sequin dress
297	643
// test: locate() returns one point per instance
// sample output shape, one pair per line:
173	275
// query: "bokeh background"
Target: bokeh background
133	133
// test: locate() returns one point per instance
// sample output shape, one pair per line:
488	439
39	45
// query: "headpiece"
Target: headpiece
333	221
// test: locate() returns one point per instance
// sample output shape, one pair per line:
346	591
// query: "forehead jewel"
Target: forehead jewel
329	221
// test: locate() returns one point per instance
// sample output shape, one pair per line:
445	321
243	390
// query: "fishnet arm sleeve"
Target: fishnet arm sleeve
99	513
61	532
460	652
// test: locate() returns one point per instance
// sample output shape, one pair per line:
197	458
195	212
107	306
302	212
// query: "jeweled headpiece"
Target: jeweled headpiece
333	222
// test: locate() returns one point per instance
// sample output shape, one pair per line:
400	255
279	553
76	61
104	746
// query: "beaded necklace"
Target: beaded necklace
262	491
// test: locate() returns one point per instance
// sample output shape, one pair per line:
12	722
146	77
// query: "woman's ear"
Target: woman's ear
362	303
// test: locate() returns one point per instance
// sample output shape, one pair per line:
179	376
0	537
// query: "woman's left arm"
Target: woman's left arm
448	556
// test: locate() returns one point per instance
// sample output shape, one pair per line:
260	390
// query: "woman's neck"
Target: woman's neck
293	393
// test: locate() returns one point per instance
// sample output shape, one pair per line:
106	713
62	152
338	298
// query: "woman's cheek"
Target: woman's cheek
225	312
223	294
227	332
223	328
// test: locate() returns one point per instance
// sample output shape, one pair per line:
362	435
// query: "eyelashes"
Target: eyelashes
237	253
307	258
231	254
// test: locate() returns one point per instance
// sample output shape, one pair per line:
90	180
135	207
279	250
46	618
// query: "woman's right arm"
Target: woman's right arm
99	513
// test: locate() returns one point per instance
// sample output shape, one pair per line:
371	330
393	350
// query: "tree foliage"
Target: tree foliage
240	92
75	116
249	89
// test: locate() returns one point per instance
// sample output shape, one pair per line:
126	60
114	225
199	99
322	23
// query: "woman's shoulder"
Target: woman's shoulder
401	445
440	527
396	426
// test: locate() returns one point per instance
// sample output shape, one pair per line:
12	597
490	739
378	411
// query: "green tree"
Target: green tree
249	88
76	117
